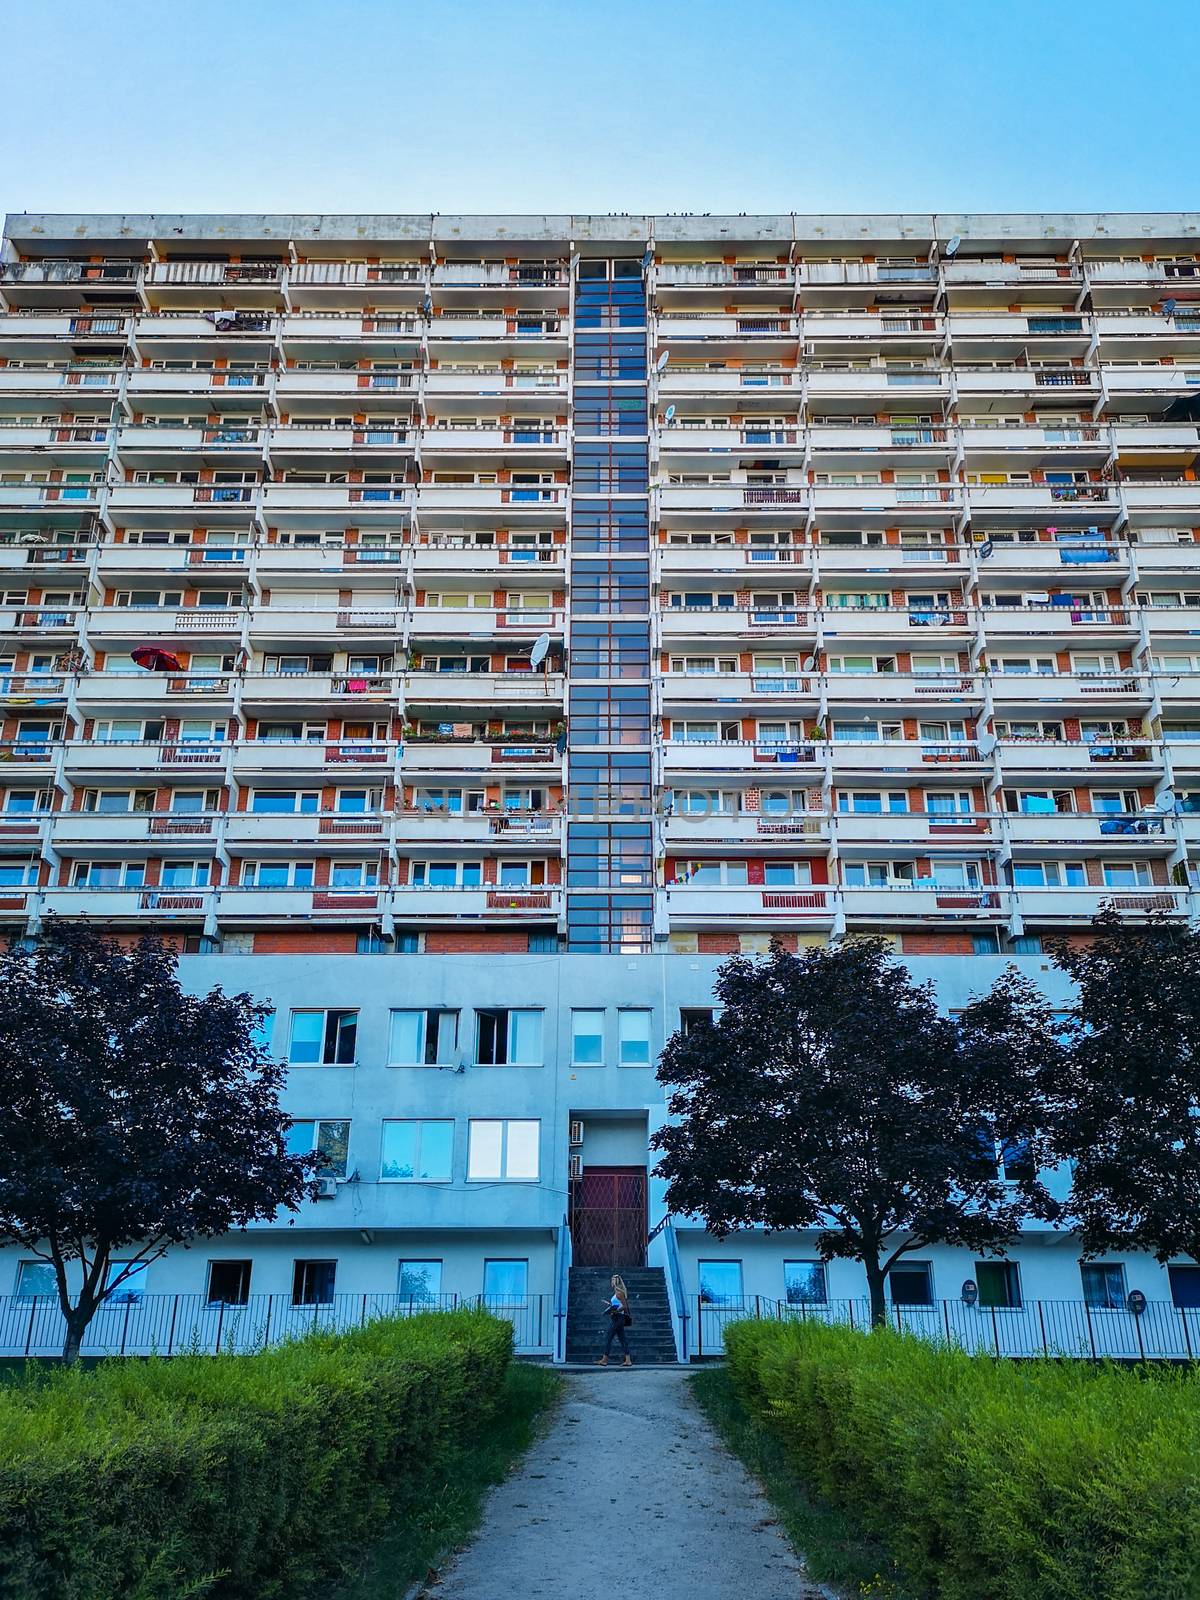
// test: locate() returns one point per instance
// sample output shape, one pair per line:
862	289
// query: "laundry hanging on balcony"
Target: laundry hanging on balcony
156	659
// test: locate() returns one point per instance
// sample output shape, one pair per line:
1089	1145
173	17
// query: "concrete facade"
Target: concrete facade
517	615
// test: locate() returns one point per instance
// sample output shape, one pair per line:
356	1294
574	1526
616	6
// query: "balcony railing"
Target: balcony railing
166	1324
1062	1329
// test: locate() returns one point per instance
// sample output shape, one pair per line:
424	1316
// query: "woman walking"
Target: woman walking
617	1312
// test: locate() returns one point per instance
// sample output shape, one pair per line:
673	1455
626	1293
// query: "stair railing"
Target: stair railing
662	1249
562	1280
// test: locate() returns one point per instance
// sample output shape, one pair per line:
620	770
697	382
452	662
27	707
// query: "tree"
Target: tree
831	1094
133	1116
1129	1114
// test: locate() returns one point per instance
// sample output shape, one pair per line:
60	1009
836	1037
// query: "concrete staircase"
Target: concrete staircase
651	1340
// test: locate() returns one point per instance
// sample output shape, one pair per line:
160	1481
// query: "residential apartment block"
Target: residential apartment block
588	597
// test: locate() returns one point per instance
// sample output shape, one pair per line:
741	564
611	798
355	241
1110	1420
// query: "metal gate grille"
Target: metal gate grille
608	1217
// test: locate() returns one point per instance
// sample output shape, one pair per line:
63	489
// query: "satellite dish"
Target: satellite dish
1166	800
952	246
661	364
669	414
985	743
541	647
808	663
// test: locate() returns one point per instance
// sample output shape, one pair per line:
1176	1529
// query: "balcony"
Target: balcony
481	622
924	760
921	690
1098	501
1042	558
728	625
485	689
1144	832
73	831
331	832
716	905
419	828
1045	619
749	832
489	904
35	380
692	690
1073	907
1100	762
860	833
744	757
443	754
935	904
1086	693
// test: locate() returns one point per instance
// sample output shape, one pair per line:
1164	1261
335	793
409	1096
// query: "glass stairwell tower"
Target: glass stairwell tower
610	825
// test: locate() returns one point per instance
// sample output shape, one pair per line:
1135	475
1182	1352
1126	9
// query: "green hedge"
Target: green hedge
235	1476
989	1480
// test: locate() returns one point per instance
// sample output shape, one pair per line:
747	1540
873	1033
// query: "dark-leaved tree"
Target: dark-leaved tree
1129	1117
830	1094
133	1116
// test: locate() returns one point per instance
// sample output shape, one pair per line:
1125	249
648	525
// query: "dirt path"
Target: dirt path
629	1496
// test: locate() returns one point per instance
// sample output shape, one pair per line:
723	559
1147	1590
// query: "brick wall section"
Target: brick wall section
310	941
937	944
461	941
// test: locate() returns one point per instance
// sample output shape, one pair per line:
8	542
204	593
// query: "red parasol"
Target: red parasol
155	659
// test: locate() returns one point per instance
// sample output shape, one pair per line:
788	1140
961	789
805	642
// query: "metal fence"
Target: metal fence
1063	1328
173	1324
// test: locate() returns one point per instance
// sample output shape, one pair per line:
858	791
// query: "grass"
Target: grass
834	1549
416	1547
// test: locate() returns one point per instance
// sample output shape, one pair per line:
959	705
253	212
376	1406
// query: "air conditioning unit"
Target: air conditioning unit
574	1167
575	1132
326	1187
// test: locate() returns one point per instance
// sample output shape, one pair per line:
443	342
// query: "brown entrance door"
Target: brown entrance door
608	1217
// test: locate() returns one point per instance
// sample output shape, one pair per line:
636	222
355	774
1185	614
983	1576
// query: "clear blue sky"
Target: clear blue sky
628	105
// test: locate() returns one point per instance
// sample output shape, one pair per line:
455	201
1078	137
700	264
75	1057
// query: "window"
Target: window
1127	875
1103	1285
423	1038
1049	875
417	1151
720	1283
693	1017
24	802
285	802
312	1283
587	1038
872	802
999	1284
228	1283
277	875
1185	1287
184	874
323	1038
19	874
508	1038
330	1139
446	874
35	1280
108	874
502	1150
420	1282
633	1038
787	874
130	1278
349	876
804	1283
110	802
505	1283
945	806
911	1283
